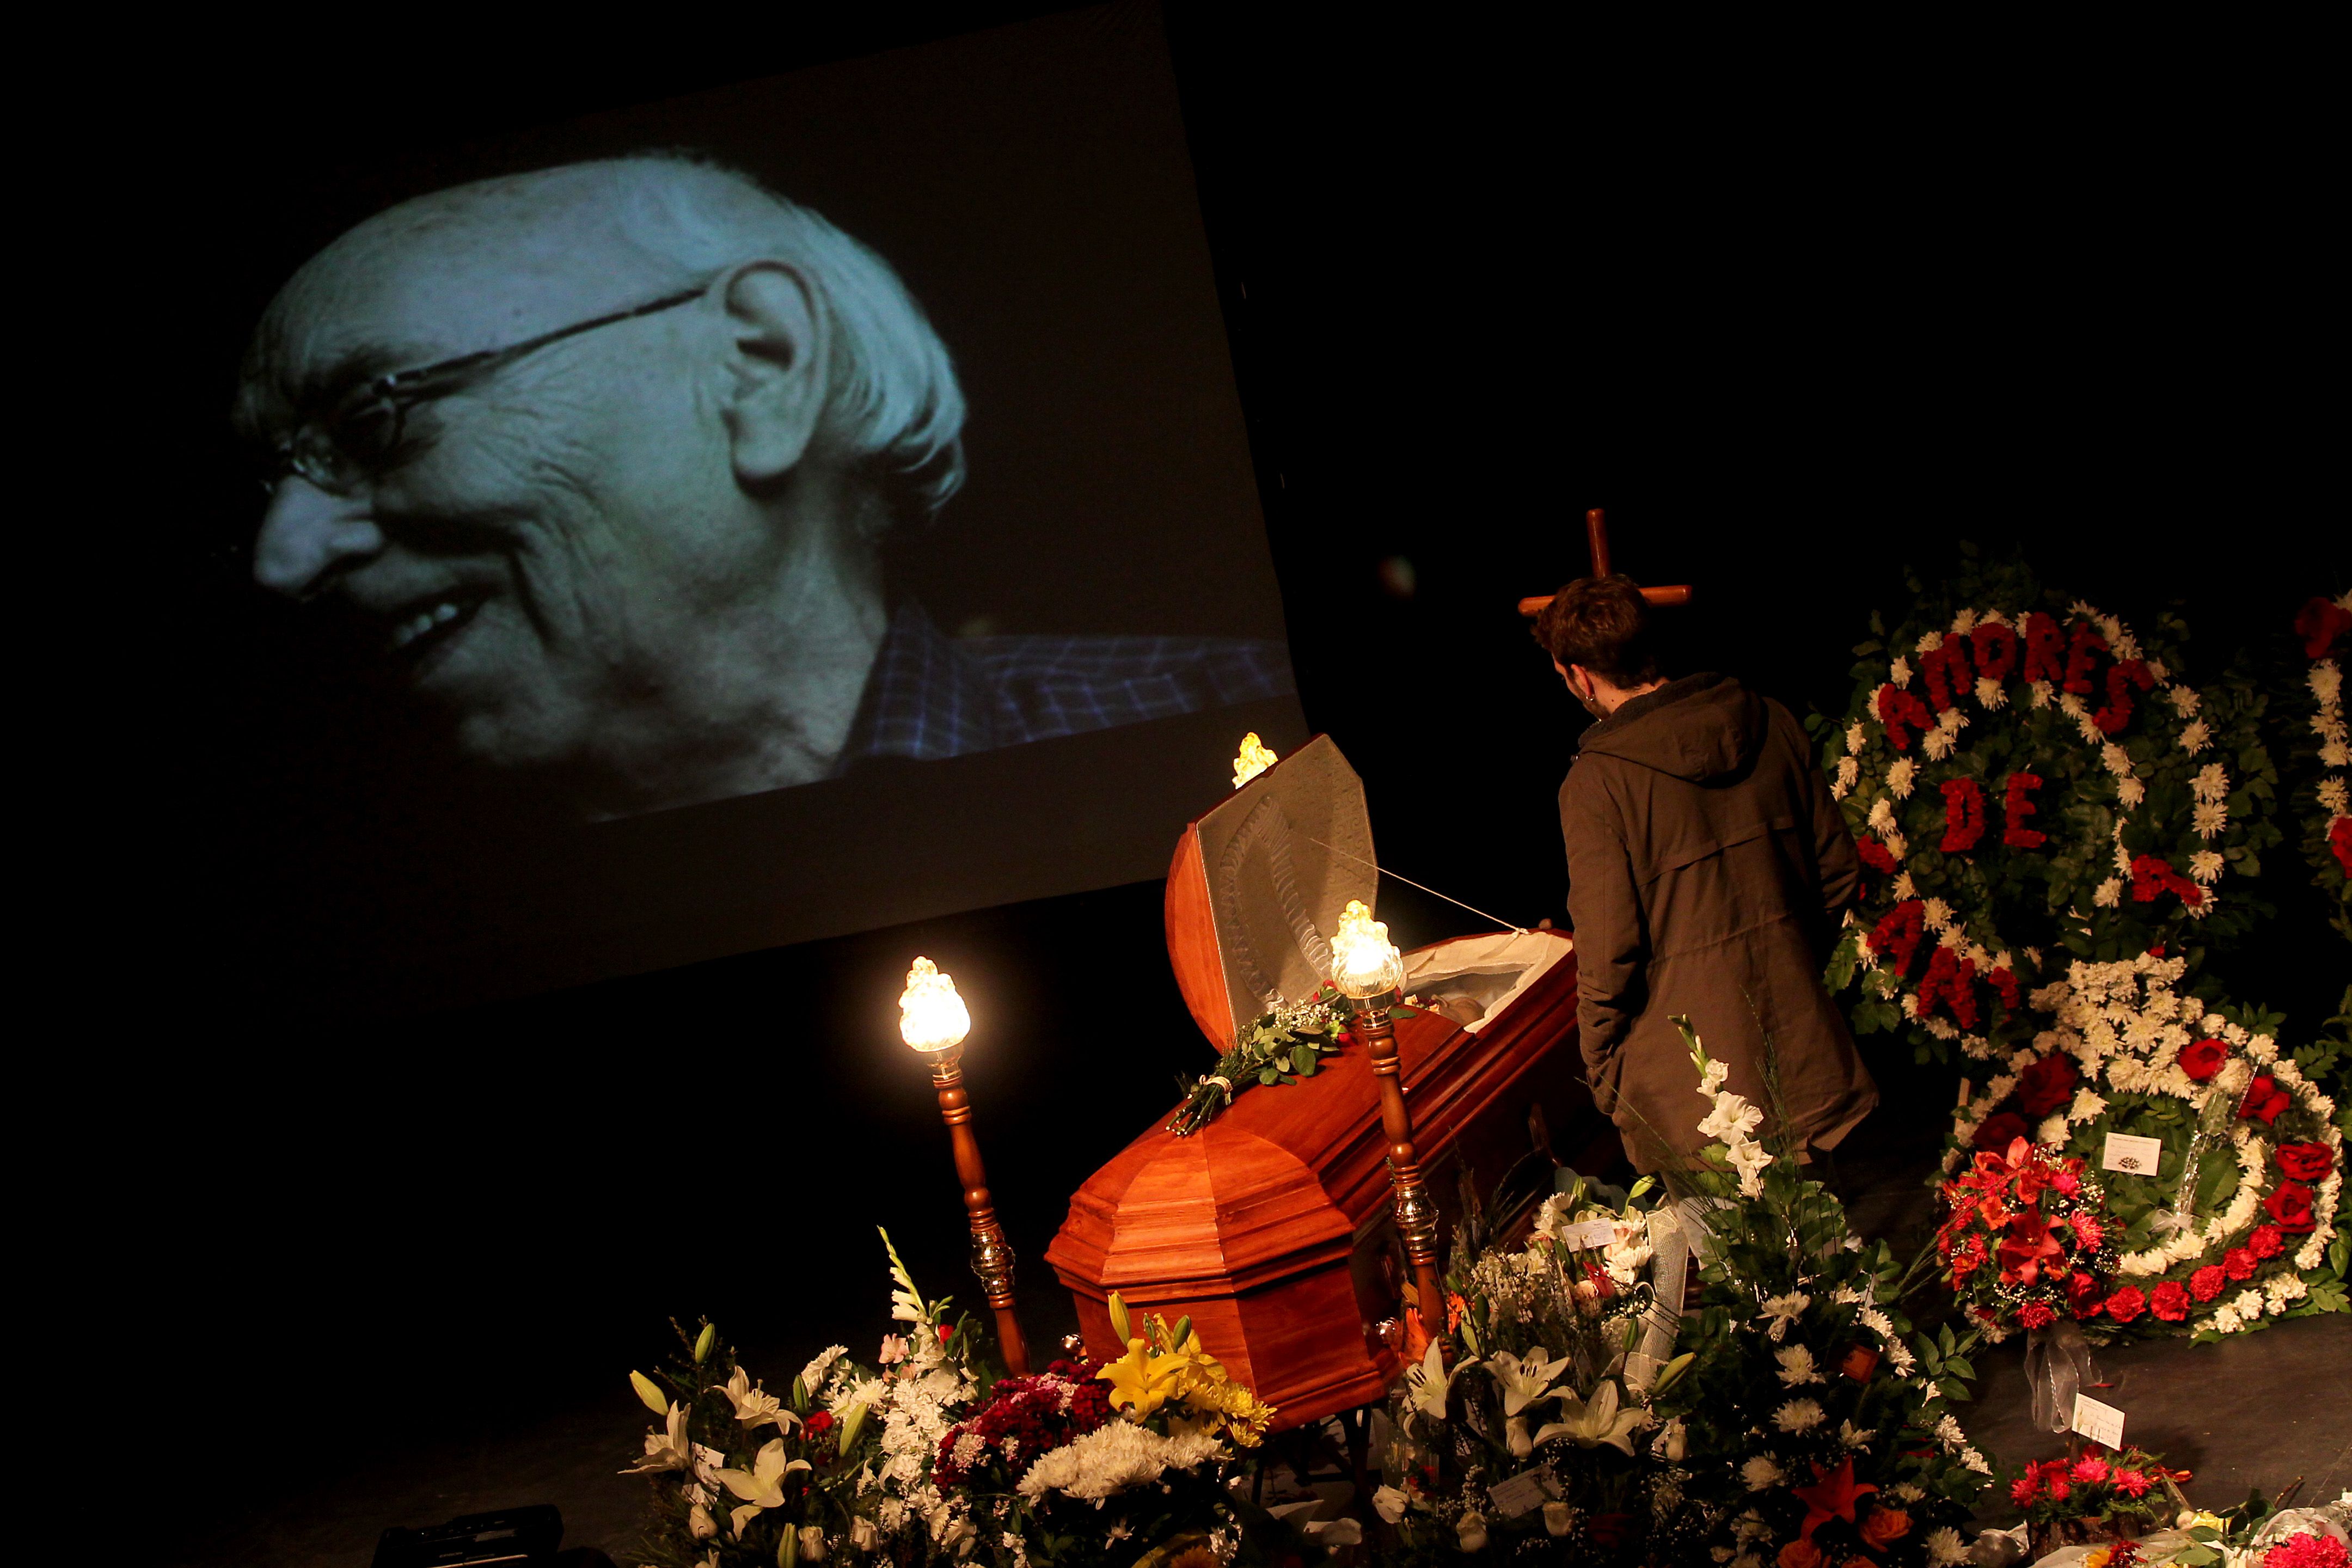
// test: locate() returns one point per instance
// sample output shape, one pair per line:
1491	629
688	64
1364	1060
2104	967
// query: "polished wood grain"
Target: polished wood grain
1272	1224
992	1255
1192	923
1596	547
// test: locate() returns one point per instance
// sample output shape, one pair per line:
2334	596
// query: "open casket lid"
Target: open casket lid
1257	886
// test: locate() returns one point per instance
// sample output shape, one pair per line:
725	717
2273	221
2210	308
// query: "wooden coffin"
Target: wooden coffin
1270	1226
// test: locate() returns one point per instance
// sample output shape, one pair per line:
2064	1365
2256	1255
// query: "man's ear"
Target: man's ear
778	356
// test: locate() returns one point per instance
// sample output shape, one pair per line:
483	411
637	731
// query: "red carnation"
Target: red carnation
2036	1315
2290	1207
2152	875
2266	1241
2306	1161
2046	1085
1876	856
819	1421
2264	1099
2083	1294
2131	1483
2086	1230
2239	1263
2202	1060
2170	1302
2126	1304
1899	932
1998	1130
2207	1282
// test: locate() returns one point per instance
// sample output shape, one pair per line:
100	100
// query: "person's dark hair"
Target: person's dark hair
1602	624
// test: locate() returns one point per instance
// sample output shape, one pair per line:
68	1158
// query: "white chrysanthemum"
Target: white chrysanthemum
1930	641
1797	1366
1903	887
1856	737
2088	1105
2334	797
2326	681
2116	759
2210	820
1937	914
1937	745
1848	771
1797	1416
2131	792
1780	1311
1945	1548
1900	776
2333	755
2196	736
1965	622
2211	783
1761	1473
2110	893
2184	701
1990	693
1852	1435
1115	1457
2042	690
2205	867
1899	672
2053	1130
1882	815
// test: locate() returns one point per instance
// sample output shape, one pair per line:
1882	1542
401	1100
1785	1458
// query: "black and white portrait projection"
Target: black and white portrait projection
811	504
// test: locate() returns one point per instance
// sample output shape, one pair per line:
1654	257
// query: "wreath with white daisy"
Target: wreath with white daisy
2029	784
2319	751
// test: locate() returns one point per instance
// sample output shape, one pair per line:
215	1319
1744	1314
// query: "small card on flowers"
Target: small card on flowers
1587	1236
1520	1493
2133	1156
2102	1423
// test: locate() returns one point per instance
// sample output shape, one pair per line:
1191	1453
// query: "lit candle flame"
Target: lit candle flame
1254	759
1364	963
931	1016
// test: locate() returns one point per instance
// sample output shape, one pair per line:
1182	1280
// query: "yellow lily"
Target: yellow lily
1141	1380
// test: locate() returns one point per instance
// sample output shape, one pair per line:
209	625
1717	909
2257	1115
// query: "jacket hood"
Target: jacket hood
1699	728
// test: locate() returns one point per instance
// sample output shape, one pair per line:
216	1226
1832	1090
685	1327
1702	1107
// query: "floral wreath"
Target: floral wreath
2321	797
2234	1223
2096	809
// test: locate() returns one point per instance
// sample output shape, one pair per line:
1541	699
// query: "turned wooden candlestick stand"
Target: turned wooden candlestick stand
992	1255
1416	1215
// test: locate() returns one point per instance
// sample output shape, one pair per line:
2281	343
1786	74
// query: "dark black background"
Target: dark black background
1796	317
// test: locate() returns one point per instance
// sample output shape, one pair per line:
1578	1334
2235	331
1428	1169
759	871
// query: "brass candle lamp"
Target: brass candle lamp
933	1021
1369	971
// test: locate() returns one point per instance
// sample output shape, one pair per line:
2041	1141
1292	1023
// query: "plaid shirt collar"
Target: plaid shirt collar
926	699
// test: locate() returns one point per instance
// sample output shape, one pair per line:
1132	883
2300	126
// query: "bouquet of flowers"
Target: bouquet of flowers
1526	1424
2100	1497
931	1456
2026	1241
1815	1435
1278	1046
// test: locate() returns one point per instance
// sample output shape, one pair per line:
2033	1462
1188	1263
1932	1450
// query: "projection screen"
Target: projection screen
809	505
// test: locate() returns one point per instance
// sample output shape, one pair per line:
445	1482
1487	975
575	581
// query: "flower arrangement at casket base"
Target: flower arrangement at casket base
2029	781
2025	1243
1816	1436
1535	1443
2237	1223
932	1458
2102	1496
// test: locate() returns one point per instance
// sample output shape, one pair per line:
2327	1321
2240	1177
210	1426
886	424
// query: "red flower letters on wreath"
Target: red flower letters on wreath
1898	931
2045	648
1964	816
2152	875
1876	856
2319	623
2015	808
1896	709
1996	649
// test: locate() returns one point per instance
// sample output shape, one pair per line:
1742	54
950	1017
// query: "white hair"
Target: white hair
894	404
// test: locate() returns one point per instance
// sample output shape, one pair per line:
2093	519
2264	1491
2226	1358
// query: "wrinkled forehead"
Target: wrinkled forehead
442	276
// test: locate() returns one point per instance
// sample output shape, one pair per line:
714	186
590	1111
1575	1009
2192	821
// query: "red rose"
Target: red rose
2047	1085
2170	1302
2266	1242
2239	1263
2207	1282
2290	1207
2264	1099
1996	1131
2306	1161
2126	1304
2202	1060
2036	1315
2082	1295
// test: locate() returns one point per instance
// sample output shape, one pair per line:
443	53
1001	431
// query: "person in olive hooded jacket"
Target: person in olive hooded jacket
1708	870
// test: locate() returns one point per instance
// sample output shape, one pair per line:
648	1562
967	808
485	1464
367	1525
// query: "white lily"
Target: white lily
763	1486
755	1406
1524	1379
1597	1420
666	1450
1429	1384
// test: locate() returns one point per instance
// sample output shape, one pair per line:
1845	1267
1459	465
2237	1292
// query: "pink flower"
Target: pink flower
2086	1230
2091	1470
2131	1483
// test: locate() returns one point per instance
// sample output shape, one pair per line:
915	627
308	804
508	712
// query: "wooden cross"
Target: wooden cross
1596	539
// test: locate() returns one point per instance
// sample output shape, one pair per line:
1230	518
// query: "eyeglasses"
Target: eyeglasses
361	434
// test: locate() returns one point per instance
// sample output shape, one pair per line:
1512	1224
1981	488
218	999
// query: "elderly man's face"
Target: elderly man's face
551	545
